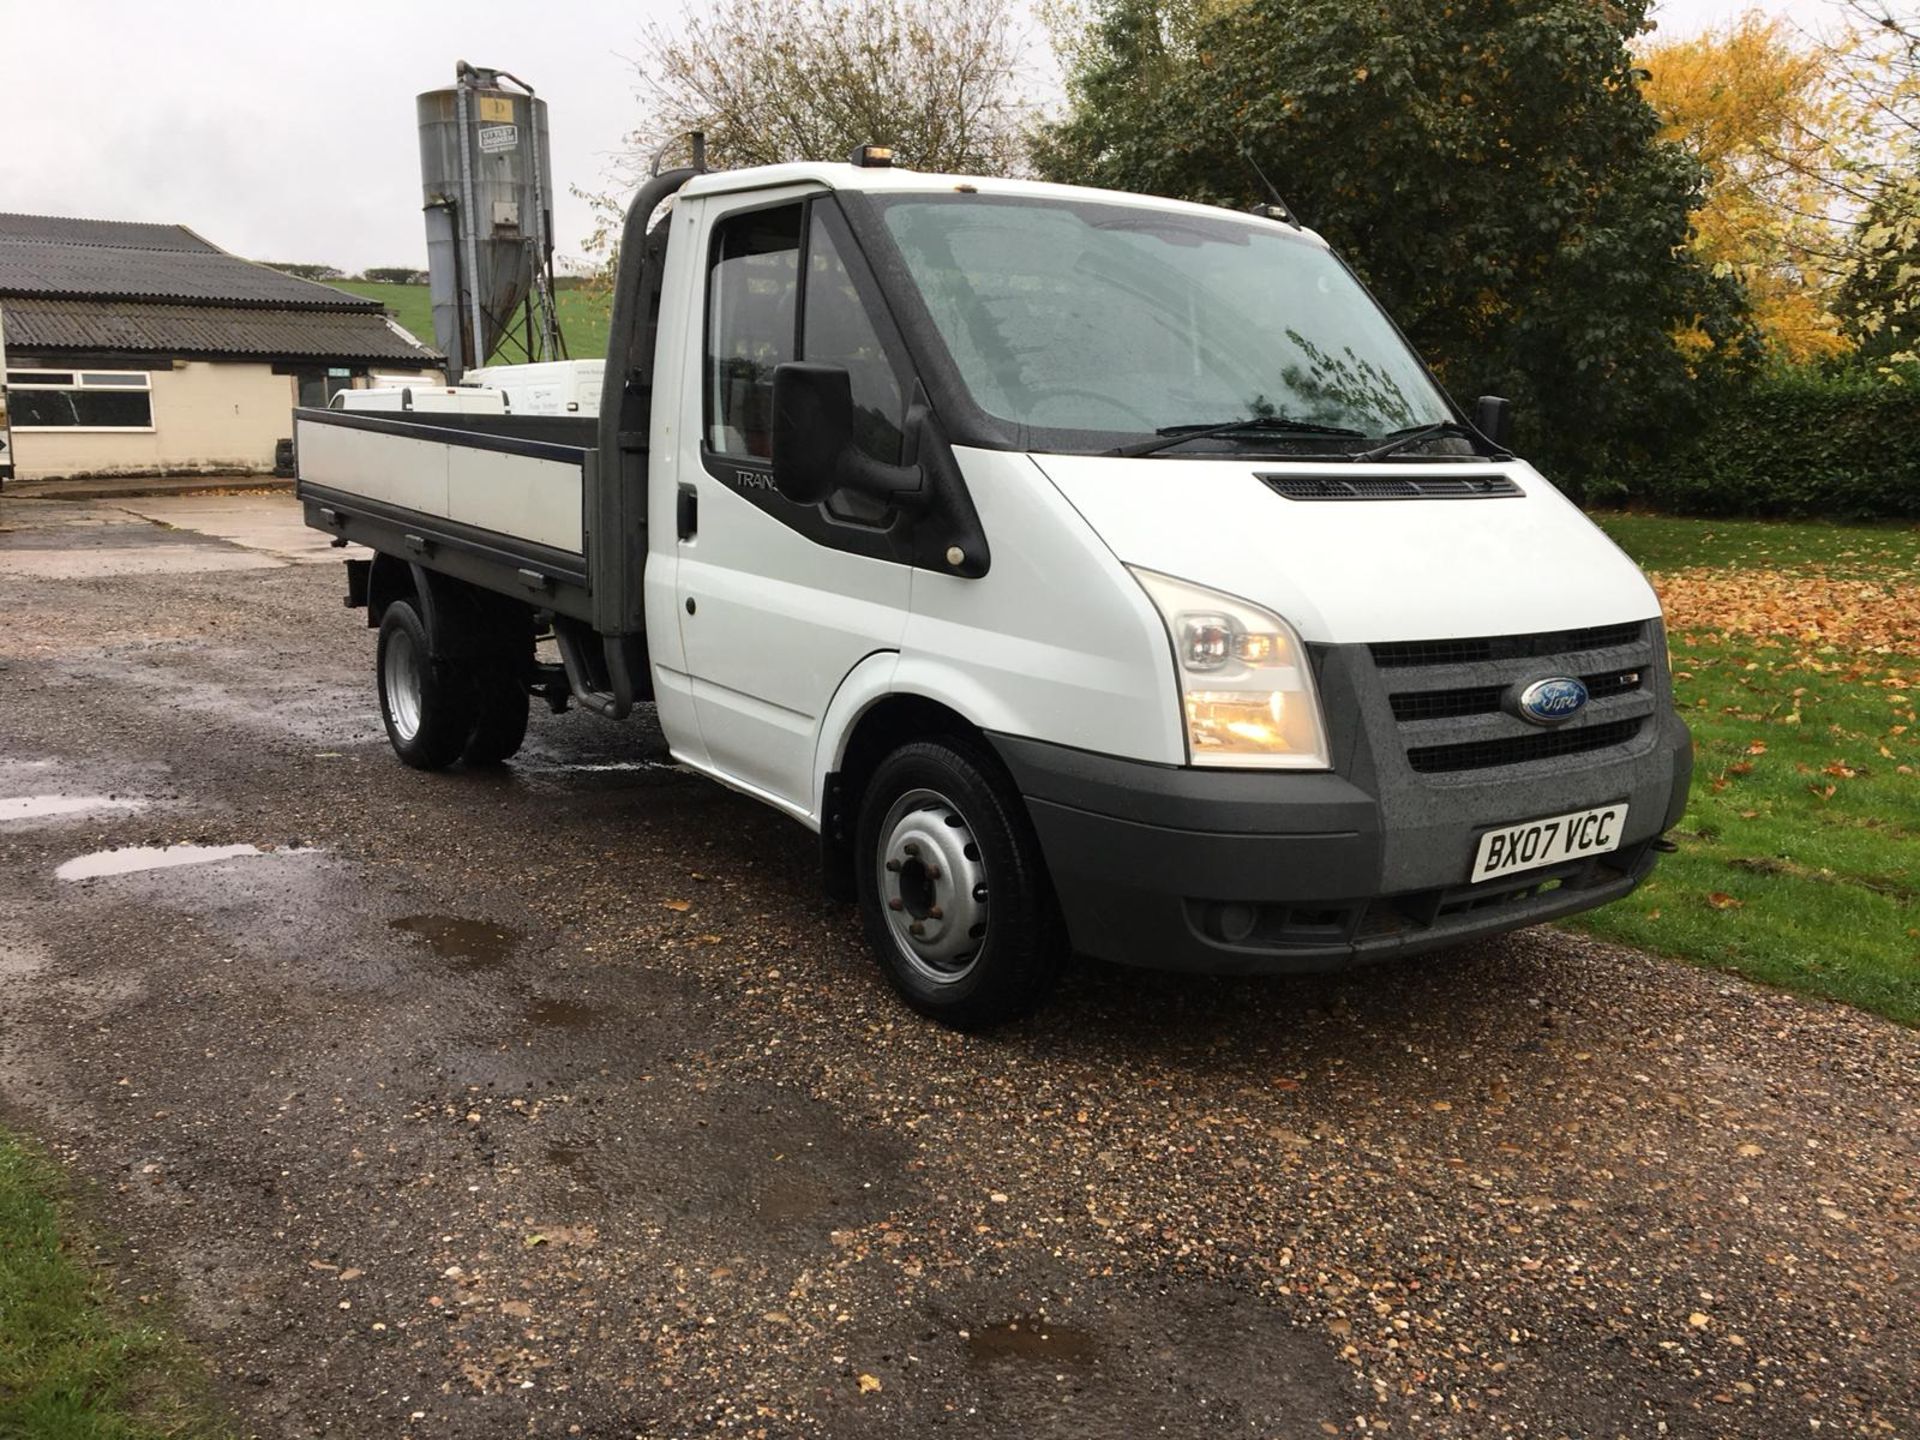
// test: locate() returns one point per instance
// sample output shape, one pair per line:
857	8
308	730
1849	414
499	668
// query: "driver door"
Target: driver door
779	601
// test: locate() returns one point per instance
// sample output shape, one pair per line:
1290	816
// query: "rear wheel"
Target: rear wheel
500	703
428	713
953	891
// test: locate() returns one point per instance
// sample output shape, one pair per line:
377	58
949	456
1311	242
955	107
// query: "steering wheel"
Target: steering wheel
1042	393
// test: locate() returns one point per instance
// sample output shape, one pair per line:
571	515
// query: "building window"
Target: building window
80	399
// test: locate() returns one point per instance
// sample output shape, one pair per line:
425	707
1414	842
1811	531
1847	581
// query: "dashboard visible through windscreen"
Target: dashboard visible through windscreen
1118	320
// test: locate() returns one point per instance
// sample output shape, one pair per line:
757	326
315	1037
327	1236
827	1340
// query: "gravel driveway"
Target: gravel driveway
558	1101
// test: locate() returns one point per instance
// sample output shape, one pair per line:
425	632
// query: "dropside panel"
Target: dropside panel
520	489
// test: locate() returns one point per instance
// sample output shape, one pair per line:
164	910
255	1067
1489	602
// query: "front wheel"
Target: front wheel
428	713
953	891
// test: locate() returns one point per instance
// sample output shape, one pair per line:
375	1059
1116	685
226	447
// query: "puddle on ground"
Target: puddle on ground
470	944
132	859
562	1014
798	1197
1031	1337
42	807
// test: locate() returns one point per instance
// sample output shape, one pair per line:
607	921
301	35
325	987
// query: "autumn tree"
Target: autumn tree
1880	293
1879	298
1490	168
1756	105
775	80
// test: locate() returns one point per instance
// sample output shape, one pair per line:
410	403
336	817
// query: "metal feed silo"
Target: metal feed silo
486	174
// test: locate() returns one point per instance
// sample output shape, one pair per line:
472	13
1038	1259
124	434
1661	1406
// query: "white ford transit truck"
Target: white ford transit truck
1092	572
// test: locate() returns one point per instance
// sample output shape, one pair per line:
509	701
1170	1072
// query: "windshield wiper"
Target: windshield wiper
1170	435
1401	439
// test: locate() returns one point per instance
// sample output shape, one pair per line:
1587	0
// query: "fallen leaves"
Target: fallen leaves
1851	614
1721	900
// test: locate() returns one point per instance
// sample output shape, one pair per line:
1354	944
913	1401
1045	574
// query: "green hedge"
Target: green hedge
1841	446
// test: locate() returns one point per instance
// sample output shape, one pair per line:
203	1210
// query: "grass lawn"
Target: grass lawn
583	314
1796	652
74	1365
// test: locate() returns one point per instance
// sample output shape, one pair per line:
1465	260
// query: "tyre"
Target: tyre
954	895
500	703
428	713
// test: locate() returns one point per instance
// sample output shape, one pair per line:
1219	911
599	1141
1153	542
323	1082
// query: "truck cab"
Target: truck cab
1092	572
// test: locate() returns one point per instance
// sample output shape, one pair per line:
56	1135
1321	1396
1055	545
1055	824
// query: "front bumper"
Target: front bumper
1238	872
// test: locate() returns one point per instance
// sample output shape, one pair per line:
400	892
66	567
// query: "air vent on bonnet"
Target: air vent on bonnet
1392	487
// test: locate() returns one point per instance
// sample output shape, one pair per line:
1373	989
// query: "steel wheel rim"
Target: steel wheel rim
400	671
933	886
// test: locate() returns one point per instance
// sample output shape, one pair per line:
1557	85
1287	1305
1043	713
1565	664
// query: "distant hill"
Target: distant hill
583	313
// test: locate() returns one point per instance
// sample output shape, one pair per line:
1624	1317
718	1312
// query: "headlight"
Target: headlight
1245	681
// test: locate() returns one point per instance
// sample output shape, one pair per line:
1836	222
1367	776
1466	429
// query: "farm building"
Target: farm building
143	349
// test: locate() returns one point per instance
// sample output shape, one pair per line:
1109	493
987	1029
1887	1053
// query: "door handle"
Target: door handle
687	512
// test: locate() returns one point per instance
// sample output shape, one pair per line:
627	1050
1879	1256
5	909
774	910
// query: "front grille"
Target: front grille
1392	487
1518	749
1397	654
1489	699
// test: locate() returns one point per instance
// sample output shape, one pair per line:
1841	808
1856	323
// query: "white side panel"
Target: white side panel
394	469
519	495
1344	571
778	622
1056	641
522	496
673	706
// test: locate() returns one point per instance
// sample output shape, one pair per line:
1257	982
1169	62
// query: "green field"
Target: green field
583	314
75	1363
1796	654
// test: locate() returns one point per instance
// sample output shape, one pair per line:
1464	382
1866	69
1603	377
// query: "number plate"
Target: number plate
1533	843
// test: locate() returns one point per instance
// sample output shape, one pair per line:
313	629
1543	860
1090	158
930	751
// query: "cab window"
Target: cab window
837	330
752	281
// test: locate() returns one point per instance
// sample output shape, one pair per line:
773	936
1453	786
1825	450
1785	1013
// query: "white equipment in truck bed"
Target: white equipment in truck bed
553	387
426	399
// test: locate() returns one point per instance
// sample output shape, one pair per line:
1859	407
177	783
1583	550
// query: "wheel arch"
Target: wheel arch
463	621
874	728
389	579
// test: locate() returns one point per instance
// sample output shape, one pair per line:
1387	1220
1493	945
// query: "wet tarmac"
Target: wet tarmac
557	1100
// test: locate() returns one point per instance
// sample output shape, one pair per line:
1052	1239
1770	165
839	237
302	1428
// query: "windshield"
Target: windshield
1125	321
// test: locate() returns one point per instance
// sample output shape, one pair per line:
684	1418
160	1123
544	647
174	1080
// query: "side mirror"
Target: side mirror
1493	418
814	453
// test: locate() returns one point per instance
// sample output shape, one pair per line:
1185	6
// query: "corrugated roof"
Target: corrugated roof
115	260
37	326
124	234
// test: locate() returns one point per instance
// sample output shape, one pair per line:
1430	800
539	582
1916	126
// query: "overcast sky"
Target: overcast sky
286	132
